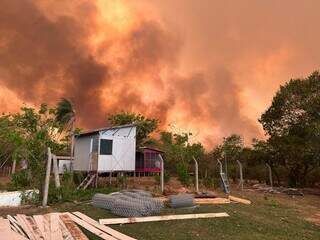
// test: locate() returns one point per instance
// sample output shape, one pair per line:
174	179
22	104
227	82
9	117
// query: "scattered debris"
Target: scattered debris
292	192
109	221
206	194
267	189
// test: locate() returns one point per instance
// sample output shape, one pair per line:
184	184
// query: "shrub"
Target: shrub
166	177
183	175
30	197
208	182
20	181
68	190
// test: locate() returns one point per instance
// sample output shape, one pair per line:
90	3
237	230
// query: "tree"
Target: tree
25	136
229	152
179	154
145	126
293	125
66	116
232	146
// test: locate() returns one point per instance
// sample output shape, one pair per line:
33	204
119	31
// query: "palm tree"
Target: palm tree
66	116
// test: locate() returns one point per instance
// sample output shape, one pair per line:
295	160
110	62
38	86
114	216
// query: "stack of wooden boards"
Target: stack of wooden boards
55	226
63	226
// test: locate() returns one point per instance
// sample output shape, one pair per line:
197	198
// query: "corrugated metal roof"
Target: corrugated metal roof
93	131
151	148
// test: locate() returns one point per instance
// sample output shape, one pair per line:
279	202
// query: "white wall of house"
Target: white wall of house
123	155
82	151
122	158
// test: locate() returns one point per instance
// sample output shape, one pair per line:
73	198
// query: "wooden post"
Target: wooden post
96	180
270	175
241	174
47	180
220	165
110	178
162	173
14	166
56	171
196	174
134	176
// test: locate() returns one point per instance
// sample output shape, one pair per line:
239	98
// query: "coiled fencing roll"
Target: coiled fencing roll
181	201
135	203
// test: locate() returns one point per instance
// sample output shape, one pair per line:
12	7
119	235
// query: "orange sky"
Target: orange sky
208	66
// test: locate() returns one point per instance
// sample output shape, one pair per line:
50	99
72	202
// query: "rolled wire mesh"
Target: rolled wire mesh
153	205
181	200
128	203
104	200
126	208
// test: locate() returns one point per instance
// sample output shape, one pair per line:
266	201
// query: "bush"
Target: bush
183	175
166	177
20	181
30	197
208	182
314	177
68	190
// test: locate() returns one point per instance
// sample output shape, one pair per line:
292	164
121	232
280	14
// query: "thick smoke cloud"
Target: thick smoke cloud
211	68
42	59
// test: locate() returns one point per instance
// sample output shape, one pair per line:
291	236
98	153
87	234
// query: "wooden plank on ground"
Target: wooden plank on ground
161	218
15	223
65	232
211	201
7	233
202	201
91	228
76	233
17	236
33	227
239	200
112	232
39	219
55	231
5	229
21	220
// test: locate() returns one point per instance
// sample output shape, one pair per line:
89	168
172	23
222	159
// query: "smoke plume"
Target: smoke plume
210	68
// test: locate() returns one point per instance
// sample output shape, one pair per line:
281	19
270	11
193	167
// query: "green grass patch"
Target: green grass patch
264	219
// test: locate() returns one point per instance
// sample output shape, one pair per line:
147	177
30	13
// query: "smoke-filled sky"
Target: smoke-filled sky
207	66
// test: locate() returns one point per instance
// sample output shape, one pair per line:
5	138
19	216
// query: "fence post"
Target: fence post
241	174
13	170
47	180
270	175
162	173
197	174
56	171
220	165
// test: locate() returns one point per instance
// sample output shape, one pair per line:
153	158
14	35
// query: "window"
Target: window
106	147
